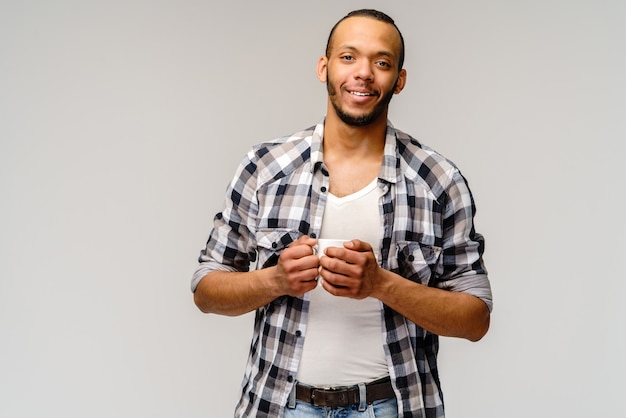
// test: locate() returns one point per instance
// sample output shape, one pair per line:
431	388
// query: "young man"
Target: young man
355	331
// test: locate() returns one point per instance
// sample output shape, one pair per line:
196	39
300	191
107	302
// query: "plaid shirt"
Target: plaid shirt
279	193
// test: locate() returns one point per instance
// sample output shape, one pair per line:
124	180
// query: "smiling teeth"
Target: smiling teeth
356	93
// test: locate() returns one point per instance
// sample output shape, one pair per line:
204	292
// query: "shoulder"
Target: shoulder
279	157
422	164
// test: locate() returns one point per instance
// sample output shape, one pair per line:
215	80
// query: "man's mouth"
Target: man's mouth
361	93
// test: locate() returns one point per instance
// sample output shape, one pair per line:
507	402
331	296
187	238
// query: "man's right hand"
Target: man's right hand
297	268
237	293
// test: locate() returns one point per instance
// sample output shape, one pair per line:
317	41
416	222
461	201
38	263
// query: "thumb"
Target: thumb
358	245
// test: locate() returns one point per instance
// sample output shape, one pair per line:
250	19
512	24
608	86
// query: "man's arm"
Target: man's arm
355	273
237	293
442	312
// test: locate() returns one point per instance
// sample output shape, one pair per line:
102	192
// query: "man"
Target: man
355	331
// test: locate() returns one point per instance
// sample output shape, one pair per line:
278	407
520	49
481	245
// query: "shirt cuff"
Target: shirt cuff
476	285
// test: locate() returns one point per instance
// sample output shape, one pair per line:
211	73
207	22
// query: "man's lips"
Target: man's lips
362	93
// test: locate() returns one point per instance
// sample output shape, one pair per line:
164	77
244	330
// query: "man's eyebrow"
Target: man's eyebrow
388	54
384	53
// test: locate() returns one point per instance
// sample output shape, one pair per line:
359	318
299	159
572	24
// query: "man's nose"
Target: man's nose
364	71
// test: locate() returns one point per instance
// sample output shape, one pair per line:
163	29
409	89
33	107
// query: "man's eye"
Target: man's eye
347	58
384	64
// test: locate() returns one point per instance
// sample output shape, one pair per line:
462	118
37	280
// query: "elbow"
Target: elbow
201	303
481	326
202	296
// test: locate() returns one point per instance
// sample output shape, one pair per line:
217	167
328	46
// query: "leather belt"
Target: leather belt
344	395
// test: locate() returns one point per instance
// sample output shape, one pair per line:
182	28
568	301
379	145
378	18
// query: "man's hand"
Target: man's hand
297	268
351	271
236	293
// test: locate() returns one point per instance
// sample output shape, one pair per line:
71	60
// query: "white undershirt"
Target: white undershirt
343	343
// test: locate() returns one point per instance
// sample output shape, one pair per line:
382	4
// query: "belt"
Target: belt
345	395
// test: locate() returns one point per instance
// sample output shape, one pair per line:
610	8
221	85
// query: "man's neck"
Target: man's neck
353	154
346	141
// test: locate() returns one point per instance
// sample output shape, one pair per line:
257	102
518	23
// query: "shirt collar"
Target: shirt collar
390	169
317	157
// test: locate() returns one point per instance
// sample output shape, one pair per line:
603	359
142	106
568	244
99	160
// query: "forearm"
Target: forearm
442	312
235	293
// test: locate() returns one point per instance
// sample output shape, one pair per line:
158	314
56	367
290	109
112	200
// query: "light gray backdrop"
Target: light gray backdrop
121	123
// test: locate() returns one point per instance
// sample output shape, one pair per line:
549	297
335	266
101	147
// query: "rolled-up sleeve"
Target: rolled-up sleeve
463	268
230	246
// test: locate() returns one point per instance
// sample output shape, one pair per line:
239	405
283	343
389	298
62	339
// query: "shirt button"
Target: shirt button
274	245
411	258
323	189
313	235
290	378
298	333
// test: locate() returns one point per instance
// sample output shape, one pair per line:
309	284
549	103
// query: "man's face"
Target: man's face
362	73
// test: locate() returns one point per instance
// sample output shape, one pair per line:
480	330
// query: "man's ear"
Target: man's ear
401	82
322	68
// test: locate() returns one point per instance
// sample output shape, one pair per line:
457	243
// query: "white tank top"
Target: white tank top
343	342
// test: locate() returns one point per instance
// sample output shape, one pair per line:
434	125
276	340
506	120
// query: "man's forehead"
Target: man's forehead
355	27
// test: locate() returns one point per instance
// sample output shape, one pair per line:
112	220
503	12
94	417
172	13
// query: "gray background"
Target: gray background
121	123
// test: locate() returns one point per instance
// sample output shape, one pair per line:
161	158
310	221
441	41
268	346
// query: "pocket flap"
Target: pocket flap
417	261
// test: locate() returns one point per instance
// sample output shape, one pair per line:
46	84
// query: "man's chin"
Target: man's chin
357	120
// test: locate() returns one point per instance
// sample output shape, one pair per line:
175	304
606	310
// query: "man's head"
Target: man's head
362	67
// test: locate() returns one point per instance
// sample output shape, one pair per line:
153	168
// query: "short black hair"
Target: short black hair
374	14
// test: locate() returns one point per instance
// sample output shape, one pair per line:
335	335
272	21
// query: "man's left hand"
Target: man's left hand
351	271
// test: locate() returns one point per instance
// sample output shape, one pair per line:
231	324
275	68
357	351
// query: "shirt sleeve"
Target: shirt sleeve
231	246
463	268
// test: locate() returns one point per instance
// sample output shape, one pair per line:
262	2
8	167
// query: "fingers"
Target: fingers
340	285
297	278
298	266
302	247
342	260
343	275
340	291
349	271
350	251
299	263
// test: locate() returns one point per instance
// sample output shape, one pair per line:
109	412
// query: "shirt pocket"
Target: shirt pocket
270	243
418	262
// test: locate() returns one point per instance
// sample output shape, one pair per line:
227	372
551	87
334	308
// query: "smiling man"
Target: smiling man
353	333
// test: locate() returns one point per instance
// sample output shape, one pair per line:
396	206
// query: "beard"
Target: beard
358	120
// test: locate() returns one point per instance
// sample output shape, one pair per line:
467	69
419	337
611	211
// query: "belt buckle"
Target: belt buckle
312	395
319	398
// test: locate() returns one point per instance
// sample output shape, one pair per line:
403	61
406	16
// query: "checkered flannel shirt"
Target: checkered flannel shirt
278	194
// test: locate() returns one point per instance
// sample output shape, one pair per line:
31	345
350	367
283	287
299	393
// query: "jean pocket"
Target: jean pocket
384	408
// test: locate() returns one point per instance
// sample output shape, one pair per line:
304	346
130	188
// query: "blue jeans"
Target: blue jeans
385	408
